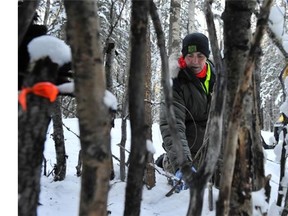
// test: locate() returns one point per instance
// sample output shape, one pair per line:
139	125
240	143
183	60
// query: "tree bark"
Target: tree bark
123	143
139	23
58	137
83	33
149	171
174	28
79	164
32	128
237	47
124	117
285	206
282	169
241	184
108	65
258	169
191	16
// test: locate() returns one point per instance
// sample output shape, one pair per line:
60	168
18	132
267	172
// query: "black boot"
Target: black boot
159	161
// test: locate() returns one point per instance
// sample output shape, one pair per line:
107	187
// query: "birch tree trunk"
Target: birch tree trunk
149	171
191	16
124	117
174	28
83	33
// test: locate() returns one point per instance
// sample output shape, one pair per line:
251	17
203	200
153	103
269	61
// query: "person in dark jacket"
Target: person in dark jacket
192	88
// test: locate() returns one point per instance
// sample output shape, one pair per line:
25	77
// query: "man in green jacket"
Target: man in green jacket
192	88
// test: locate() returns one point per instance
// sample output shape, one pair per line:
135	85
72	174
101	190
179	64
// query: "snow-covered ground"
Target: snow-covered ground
62	198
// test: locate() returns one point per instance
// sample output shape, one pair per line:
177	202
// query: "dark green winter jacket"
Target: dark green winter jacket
191	102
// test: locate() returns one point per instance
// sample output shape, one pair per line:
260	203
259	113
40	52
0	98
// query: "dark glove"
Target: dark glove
179	182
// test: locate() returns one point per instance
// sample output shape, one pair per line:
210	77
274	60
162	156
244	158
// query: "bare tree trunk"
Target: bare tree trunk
256	95
139	23
235	68
282	169
258	169
108	66
32	128
124	117
123	141
191	16
174	28
217	119
79	164
110	44
149	171
58	137
109	82
46	13
223	205
83	33
241	184
285	207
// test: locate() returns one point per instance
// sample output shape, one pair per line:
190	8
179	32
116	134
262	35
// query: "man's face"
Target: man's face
195	61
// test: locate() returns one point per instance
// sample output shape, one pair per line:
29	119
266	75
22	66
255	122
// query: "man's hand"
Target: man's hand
179	183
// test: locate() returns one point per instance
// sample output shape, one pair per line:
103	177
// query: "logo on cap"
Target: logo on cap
192	49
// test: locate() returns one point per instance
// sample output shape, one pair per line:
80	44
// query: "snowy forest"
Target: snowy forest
122	51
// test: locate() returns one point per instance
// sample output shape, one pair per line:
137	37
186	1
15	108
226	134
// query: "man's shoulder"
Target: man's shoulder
213	72
181	81
212	66
177	83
